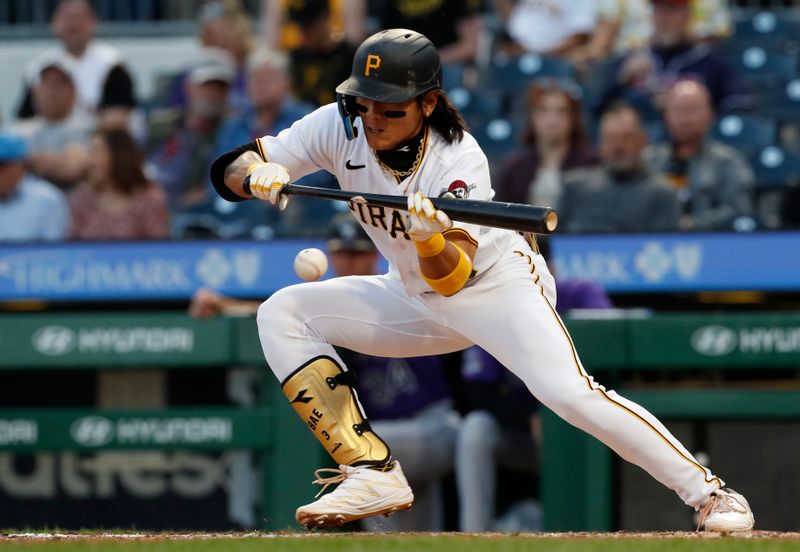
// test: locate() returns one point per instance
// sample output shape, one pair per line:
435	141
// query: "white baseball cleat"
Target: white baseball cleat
726	511
362	492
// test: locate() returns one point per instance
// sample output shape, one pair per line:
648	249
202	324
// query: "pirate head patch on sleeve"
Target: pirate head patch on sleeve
458	188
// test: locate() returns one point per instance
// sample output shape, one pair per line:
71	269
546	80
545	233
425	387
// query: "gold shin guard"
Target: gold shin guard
321	393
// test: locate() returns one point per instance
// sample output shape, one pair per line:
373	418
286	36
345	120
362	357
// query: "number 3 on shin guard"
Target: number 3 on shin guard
321	393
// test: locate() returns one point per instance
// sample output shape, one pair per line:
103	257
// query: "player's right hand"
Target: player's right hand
424	220
267	181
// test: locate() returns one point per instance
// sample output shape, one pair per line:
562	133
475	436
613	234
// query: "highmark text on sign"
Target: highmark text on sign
170	270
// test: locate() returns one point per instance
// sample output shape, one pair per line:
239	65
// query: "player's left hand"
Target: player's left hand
267	181
424	220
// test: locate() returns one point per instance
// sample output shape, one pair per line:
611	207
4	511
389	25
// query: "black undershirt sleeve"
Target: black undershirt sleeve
218	170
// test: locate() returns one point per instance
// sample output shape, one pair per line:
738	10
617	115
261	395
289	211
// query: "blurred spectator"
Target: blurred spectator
226	36
56	135
270	105
626	25
181	142
621	195
713	180
452	25
30	208
406	400
226	25
554	142
116	201
104	85
622	26
548	27
643	77
283	29
320	61
711	20
503	429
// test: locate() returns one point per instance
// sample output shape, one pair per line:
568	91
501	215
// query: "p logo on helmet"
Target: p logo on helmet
373	62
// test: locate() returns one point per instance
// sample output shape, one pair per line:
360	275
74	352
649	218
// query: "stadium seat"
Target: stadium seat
746	133
760	68
782	102
497	138
512	74
452	76
769	29
774	167
475	105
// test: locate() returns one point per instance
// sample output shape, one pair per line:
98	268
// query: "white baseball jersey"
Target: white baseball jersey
318	141
508	309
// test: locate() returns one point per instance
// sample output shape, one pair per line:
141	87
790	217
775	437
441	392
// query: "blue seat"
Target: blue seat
512	74
497	138
775	167
452	76
746	133
761	68
782	102
767	28
475	105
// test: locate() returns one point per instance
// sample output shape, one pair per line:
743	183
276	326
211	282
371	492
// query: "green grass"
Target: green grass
427	543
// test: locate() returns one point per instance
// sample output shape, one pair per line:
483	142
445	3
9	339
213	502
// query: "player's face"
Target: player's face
387	125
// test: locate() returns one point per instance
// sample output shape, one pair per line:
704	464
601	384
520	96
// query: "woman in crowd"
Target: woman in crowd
554	140
117	201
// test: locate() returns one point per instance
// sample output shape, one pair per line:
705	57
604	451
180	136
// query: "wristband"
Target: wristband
430	247
453	282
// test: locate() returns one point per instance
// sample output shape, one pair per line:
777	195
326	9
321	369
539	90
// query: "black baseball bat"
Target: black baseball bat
500	214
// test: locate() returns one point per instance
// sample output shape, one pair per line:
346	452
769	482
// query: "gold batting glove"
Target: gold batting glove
267	181
424	220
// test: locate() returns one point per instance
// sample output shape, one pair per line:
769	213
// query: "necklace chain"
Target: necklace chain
403	174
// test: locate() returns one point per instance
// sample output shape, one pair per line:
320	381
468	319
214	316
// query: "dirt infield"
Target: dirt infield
125	536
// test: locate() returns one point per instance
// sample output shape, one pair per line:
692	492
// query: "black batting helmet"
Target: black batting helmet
390	66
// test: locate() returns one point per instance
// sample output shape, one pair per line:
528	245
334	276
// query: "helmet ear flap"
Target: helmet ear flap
348	113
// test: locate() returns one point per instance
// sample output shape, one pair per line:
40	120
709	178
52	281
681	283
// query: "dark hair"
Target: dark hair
446	119
127	163
536	94
620	106
61	3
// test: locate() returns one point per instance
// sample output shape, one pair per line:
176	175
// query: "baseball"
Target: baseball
311	264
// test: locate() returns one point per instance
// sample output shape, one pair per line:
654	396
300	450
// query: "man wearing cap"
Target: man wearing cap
57	135
409	399
644	76
31	209
101	79
181	141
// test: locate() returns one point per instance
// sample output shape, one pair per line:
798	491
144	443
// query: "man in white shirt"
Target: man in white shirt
102	82
547	27
57	136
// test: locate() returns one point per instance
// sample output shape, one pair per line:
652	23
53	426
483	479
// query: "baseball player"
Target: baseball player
449	285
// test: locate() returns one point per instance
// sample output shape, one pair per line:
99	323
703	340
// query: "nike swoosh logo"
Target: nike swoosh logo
350	167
